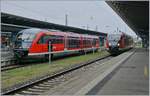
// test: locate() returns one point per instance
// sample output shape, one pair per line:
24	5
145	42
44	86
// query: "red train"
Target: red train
36	42
118	42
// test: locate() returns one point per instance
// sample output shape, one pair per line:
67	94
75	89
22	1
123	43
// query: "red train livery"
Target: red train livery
118	42
36	41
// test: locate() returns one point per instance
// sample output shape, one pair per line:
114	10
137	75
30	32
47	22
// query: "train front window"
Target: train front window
24	40
25	36
114	37
28	34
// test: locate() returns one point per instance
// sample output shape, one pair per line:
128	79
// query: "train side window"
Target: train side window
87	42
40	40
94	42
57	39
84	42
54	39
73	42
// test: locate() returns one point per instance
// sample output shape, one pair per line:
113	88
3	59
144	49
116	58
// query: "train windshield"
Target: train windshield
114	37
25	37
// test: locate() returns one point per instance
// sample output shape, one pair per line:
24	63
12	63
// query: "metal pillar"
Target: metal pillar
49	49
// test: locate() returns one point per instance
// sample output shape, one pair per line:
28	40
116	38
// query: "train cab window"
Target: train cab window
41	41
46	38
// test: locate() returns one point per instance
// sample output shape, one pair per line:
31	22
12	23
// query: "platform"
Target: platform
130	78
125	74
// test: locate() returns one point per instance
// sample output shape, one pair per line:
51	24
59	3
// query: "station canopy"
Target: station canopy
13	23
135	14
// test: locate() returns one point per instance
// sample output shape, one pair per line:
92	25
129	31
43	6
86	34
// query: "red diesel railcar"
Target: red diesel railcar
118	42
36	42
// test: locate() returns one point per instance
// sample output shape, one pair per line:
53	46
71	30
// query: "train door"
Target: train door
41	45
122	41
81	42
49	48
57	43
49	45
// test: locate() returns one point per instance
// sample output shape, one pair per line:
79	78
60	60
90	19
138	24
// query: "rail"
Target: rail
33	82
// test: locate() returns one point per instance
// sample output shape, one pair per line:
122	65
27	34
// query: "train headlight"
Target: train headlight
118	44
109	44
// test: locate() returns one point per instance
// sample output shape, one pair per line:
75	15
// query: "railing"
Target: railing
7	57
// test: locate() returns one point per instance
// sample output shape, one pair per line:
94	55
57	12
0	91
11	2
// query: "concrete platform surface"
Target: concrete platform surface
81	81
130	78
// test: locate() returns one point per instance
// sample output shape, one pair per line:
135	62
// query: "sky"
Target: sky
94	15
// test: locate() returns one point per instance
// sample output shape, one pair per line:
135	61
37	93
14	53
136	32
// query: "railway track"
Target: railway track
25	63
16	65
43	84
12	66
13	63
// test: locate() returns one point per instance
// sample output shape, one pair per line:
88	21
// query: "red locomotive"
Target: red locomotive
36	42
118	42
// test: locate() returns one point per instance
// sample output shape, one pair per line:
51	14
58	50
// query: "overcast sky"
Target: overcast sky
80	13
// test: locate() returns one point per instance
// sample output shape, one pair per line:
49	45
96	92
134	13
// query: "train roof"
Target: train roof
89	36
57	32
126	34
119	34
71	34
32	30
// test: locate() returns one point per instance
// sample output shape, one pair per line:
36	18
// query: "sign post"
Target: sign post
85	52
49	50
93	49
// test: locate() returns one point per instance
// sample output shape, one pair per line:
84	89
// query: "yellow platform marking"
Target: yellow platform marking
146	71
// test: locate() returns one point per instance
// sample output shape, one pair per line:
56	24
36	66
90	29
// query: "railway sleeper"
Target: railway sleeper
28	93
17	94
41	87
36	90
49	83
44	85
